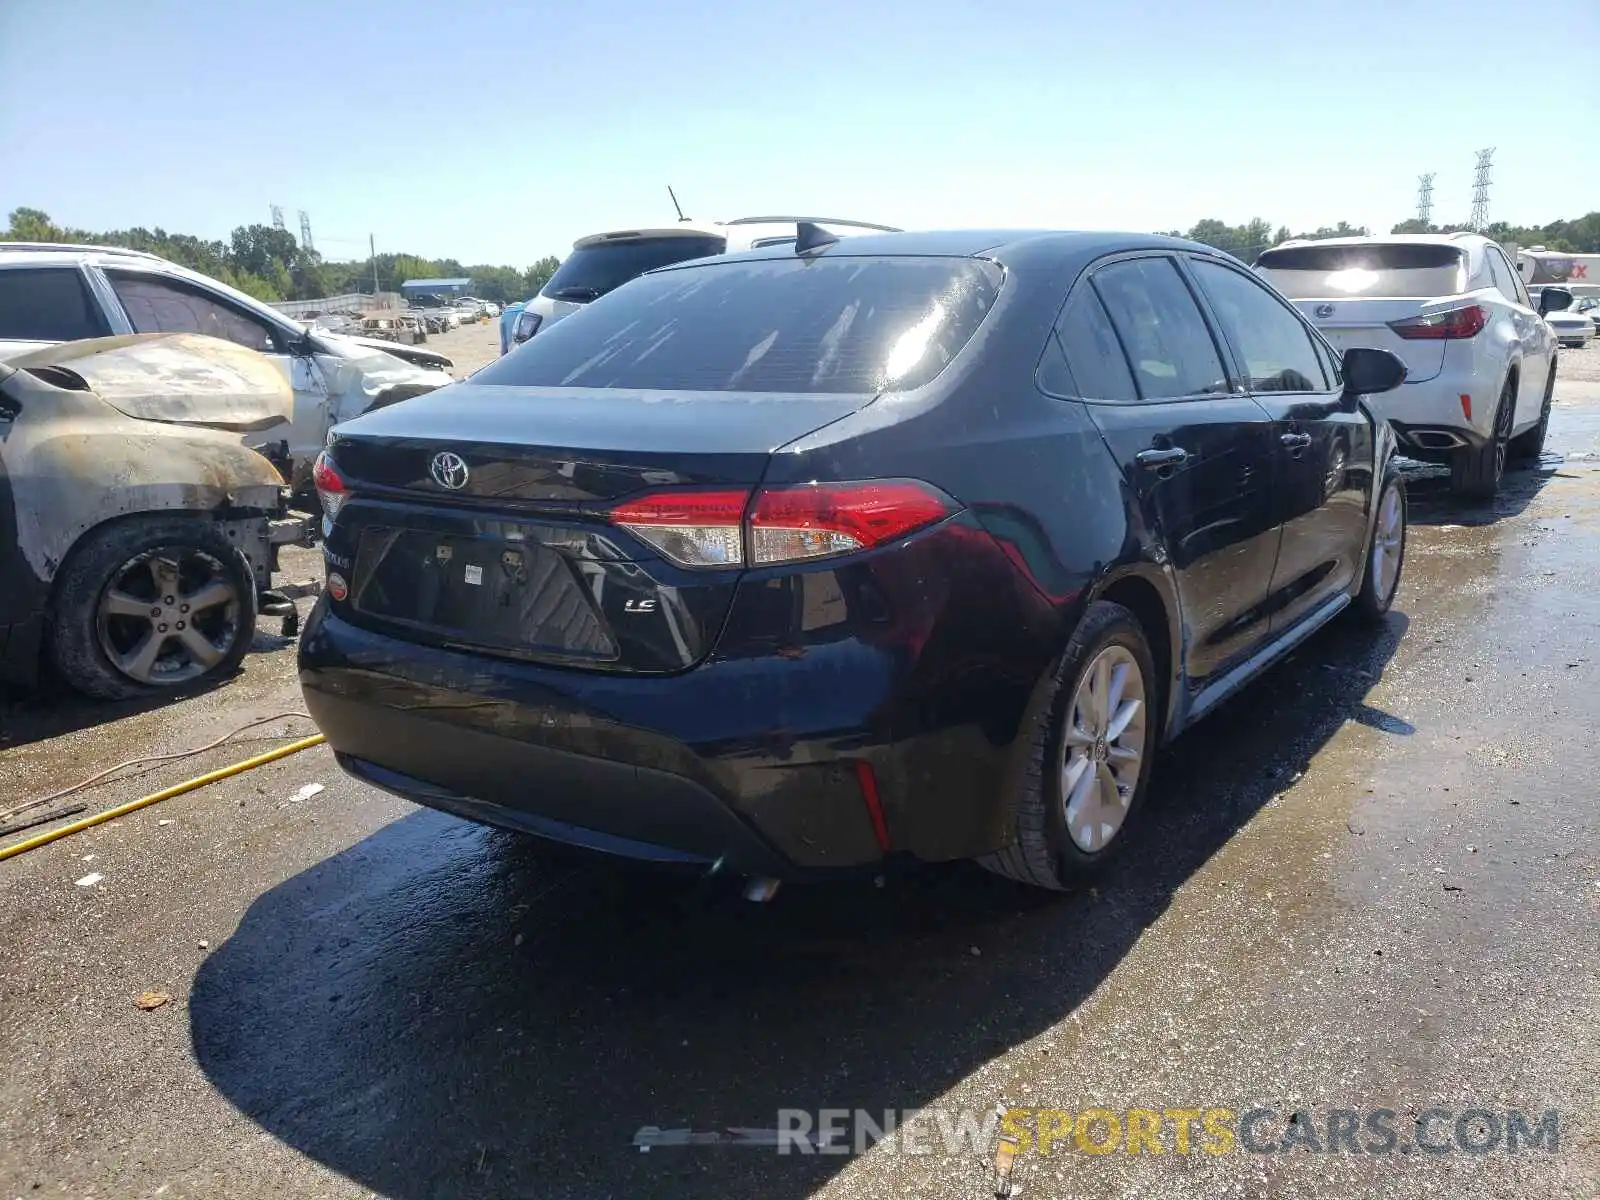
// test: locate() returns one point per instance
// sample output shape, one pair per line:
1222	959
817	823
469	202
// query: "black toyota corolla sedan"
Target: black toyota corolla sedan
805	559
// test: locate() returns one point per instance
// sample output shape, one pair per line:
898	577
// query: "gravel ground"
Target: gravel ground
469	347
1371	881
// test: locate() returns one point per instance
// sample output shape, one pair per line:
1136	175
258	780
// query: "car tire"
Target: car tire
1385	558
1530	445
1476	471
97	639
1050	850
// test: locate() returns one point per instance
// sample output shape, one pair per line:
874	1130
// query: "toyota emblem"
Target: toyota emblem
449	470
1324	311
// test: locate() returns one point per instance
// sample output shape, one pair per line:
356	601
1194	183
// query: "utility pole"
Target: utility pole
277	216
1425	198
1479	219
305	232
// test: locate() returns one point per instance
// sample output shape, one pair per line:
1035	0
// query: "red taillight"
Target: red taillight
331	488
693	527
706	528
818	519
1465	322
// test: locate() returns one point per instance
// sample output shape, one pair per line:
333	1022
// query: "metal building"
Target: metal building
436	287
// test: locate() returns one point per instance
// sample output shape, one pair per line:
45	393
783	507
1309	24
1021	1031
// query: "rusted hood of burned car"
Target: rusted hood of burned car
178	378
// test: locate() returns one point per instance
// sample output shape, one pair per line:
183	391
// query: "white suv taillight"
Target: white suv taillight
707	527
331	487
1446	325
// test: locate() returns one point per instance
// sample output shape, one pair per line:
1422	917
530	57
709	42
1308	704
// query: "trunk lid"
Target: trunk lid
1349	323
477	516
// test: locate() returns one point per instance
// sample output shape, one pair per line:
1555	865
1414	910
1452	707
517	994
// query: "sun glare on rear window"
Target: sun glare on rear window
1399	269
830	325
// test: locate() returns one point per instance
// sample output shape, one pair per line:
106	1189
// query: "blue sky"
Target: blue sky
464	128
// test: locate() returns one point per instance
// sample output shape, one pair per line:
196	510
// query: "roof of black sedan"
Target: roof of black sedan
1005	244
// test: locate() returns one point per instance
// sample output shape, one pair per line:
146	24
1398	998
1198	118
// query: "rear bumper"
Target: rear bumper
1437	405
907	675
1454	409
668	768
539	790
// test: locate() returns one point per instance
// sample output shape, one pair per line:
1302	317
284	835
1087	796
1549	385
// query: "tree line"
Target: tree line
1580	236
270	264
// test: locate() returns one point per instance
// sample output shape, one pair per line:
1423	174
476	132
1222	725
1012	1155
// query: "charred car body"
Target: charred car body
55	293
137	529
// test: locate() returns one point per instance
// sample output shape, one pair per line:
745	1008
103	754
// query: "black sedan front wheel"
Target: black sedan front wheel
1386	551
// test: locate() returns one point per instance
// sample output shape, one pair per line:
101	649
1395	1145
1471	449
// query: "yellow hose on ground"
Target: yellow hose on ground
177	789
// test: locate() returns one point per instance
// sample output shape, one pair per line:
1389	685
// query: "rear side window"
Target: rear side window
592	271
1167	342
157	305
48	304
1094	356
767	325
1275	349
1505	279
1398	269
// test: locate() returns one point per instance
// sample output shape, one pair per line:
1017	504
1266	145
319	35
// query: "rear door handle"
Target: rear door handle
1295	441
1154	460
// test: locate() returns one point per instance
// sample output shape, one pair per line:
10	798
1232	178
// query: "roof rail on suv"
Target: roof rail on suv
75	247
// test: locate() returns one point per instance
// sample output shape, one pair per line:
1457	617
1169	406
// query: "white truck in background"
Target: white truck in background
1539	268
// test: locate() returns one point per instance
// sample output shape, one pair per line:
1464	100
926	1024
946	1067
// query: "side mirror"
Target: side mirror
1554	299
1368	372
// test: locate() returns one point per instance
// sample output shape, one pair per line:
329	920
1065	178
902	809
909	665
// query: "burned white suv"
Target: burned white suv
59	293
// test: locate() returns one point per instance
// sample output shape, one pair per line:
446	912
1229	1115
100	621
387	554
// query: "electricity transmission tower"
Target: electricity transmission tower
1425	198
1480	190
305	232
277	216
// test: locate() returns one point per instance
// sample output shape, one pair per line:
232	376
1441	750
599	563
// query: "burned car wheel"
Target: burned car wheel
146	605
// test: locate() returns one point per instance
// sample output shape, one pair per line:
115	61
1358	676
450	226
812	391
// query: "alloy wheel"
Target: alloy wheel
1102	748
1504	417
168	616
1388	544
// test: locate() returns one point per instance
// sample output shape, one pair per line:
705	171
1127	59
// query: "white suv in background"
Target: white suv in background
1480	358
603	262
59	293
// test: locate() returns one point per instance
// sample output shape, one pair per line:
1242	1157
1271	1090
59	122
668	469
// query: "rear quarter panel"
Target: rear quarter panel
1048	525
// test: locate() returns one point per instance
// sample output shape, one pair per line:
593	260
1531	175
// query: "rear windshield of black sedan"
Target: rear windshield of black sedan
831	324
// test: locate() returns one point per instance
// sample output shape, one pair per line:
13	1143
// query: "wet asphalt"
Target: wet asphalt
1371	881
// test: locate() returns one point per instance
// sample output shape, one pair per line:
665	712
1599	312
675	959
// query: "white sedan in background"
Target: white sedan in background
1575	327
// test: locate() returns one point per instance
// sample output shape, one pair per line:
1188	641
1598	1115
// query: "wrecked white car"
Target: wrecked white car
57	293
137	529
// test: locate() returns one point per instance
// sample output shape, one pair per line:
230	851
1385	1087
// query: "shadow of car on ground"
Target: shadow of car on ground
1430	501
54	710
444	1010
